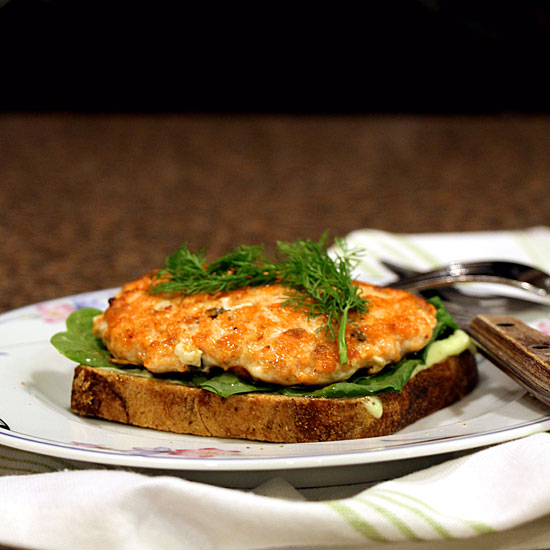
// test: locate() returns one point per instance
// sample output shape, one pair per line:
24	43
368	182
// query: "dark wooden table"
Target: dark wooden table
91	201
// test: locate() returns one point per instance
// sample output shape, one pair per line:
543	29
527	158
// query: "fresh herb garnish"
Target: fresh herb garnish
189	273
320	284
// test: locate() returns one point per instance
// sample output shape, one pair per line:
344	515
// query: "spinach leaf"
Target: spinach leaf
445	320
391	378
78	343
227	383
445	326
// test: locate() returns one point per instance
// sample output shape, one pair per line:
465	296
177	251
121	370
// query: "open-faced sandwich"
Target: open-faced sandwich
284	350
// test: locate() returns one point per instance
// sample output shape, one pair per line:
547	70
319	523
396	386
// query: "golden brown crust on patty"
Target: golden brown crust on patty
158	404
247	330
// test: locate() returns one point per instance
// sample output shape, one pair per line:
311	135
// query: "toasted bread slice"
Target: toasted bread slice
154	403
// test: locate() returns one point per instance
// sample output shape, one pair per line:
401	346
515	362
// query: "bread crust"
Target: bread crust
153	403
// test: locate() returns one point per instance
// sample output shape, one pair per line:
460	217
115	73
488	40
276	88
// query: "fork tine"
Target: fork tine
532	280
448	293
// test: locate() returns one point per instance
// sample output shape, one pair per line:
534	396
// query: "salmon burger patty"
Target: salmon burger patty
248	331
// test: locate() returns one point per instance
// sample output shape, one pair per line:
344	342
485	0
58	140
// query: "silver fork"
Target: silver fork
460	304
530	279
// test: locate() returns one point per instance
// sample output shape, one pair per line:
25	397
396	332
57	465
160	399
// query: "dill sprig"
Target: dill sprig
189	273
323	286
319	284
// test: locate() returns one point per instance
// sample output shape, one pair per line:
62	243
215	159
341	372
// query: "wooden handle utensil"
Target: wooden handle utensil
517	349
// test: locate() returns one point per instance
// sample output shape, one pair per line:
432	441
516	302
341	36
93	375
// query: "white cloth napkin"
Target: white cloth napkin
495	498
430	250
470	502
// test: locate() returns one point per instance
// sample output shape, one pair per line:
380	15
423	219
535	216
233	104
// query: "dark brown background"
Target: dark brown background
89	201
123	134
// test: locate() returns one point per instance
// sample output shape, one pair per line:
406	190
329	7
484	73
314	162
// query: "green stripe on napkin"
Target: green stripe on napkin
355	520
476	526
394	519
433	523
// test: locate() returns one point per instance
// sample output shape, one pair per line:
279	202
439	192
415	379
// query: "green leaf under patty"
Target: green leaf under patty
391	378
446	325
227	383
78	343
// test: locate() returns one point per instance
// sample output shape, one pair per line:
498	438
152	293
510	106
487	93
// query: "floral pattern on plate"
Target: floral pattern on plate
204	452
56	312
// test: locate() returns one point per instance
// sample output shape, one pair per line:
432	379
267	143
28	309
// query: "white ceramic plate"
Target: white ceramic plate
35	382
